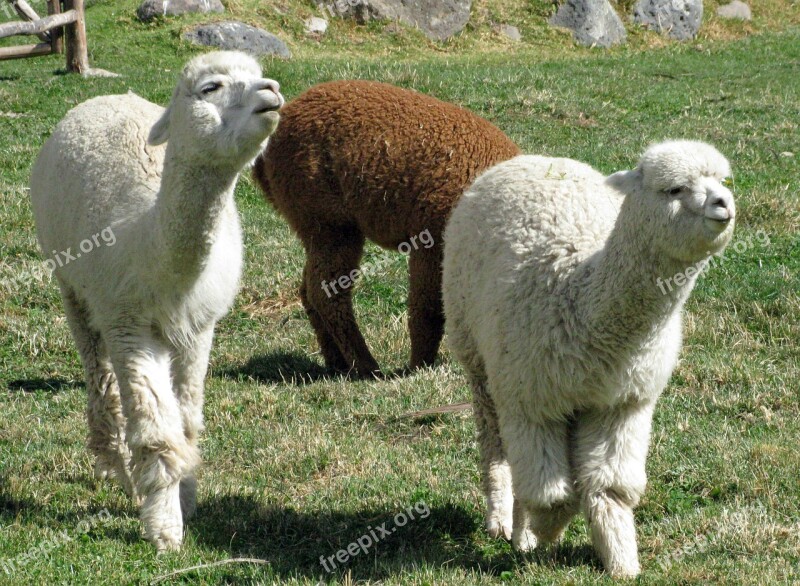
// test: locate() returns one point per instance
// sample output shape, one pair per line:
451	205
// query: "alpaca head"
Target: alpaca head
222	110
677	197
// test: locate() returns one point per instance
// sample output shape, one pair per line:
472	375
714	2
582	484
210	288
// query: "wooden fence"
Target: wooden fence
63	26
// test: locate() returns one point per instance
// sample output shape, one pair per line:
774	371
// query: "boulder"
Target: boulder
679	19
233	35
150	9
593	22
316	25
736	10
509	31
438	19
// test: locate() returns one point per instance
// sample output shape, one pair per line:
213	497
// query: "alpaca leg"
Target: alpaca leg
161	456
332	257
522	538
425	310
189	368
496	474
104	410
548	524
327	345
610	449
538	456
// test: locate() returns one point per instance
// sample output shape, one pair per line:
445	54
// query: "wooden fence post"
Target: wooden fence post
77	54
56	34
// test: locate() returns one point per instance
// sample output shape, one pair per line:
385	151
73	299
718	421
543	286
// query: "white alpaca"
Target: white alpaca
142	311
553	306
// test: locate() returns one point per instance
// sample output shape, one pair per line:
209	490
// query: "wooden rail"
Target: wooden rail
51	29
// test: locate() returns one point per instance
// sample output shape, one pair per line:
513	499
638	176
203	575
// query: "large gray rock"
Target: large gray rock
737	10
233	35
149	9
438	19
679	19
593	22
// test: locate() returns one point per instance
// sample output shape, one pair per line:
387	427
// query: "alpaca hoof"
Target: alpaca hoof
499	529
102	472
524	541
188	497
625	570
162	518
167	543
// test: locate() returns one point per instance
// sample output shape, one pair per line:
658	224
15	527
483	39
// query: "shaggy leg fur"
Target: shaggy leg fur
425	309
161	454
331	254
538	456
610	452
522	538
103	411
188	376
548	524
537	453
496	474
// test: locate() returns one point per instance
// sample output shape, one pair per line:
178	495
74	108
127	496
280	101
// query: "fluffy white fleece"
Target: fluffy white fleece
552	306
142	311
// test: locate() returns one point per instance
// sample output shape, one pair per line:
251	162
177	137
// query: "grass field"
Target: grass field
298	465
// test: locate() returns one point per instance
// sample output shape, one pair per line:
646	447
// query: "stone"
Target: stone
437	19
509	31
237	36
736	10
316	25
592	22
150	9
678	19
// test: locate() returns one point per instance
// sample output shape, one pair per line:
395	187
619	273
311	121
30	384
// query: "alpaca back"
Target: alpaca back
94	172
389	160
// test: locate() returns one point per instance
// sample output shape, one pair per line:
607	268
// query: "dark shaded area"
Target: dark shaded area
49	385
293	542
277	367
293	367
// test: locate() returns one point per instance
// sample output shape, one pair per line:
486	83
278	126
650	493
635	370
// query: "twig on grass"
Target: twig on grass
211	565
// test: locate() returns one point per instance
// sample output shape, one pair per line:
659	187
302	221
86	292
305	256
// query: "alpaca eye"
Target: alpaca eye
210	87
675	190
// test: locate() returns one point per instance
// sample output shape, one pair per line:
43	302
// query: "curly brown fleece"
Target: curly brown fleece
360	159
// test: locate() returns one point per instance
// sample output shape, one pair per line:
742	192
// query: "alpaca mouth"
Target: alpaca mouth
265	109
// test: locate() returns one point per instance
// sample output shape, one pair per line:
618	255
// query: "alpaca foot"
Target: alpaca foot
523	540
613	532
498	528
188	496
162	518
499	517
548	524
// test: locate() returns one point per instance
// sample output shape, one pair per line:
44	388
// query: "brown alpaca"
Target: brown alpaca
360	159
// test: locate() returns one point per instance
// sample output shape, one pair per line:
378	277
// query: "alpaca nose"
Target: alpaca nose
269	95
268	84
719	205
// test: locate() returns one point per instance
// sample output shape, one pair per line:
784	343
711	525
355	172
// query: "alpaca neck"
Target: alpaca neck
191	204
628	290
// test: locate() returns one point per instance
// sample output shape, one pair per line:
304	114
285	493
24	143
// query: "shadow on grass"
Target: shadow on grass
293	542
290	367
277	367
49	385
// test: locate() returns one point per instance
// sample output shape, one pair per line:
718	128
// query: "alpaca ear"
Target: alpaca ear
624	181
159	134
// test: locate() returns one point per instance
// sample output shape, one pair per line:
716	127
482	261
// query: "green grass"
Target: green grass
297	465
